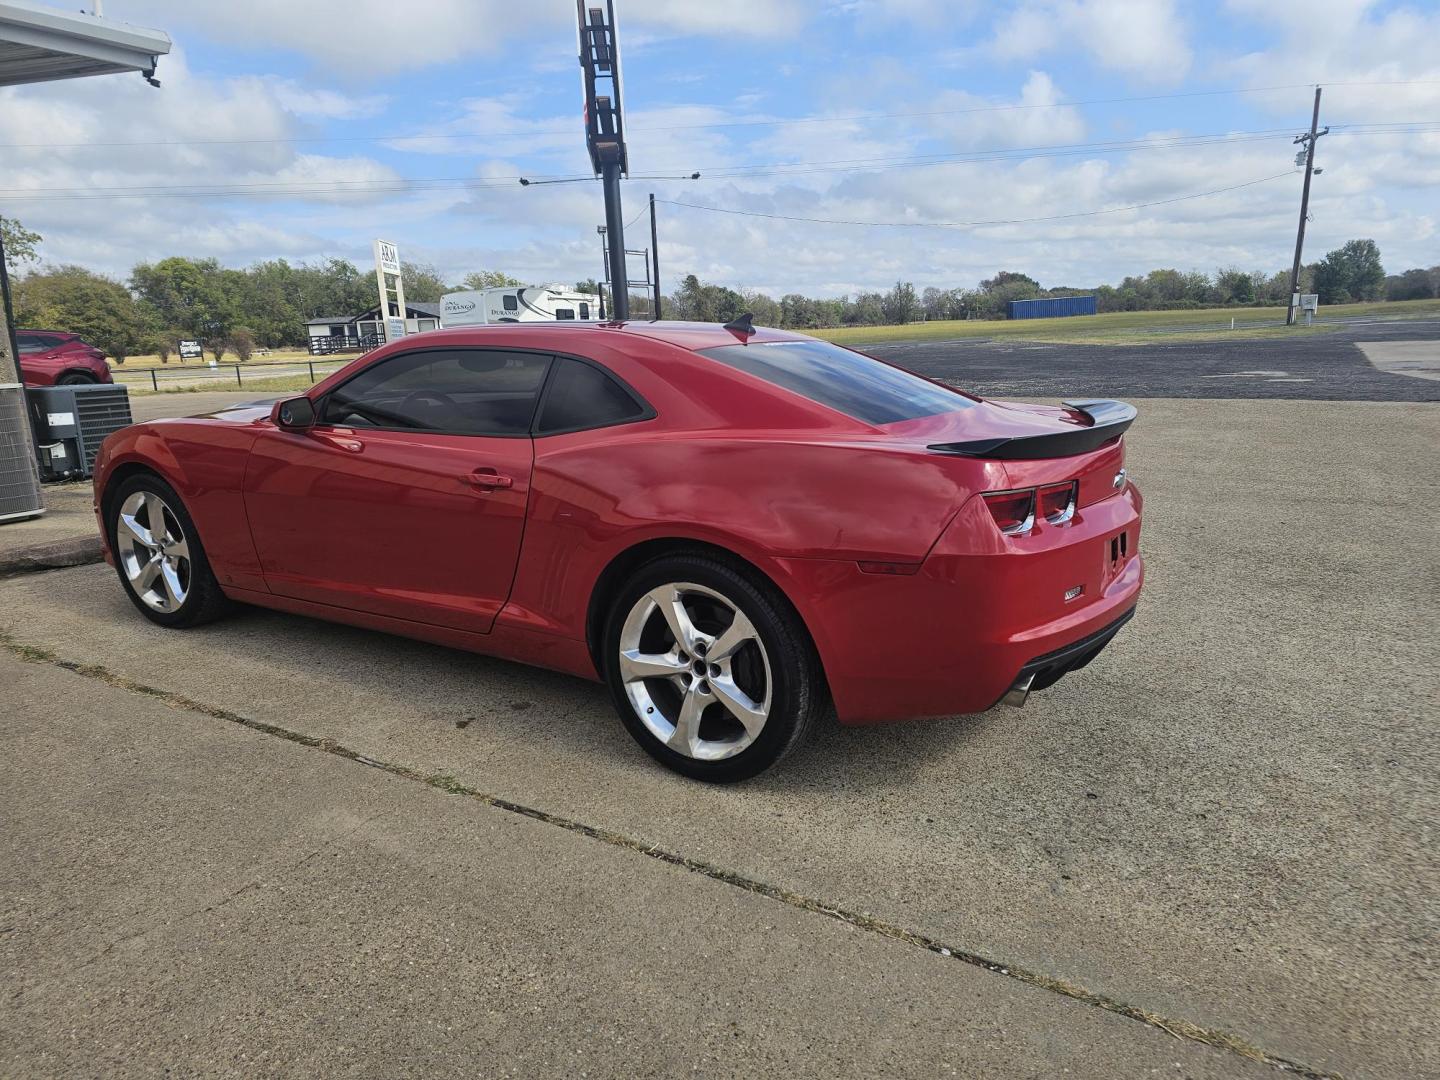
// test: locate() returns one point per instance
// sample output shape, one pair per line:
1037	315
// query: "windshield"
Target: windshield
845	381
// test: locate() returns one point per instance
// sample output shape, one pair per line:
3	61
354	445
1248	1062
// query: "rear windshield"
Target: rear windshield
845	381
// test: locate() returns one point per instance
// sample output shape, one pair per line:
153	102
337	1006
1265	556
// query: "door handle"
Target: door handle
488	479
340	442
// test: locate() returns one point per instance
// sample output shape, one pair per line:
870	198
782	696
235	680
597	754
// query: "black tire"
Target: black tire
797	693
203	601
75	378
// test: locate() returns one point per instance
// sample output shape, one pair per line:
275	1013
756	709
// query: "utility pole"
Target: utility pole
605	134
604	269
1309	143
654	256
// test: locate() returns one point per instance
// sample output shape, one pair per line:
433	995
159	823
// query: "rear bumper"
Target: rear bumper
983	611
1047	670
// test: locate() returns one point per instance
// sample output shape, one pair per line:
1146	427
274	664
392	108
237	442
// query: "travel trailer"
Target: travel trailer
528	303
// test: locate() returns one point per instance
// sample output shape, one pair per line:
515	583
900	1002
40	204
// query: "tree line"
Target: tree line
1352	272
266	305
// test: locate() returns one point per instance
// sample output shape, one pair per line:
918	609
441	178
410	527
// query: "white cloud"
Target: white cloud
1140	38
312	103
195	134
381	37
1342	44
1038	121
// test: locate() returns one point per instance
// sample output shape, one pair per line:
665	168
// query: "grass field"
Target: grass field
145	363
1130	327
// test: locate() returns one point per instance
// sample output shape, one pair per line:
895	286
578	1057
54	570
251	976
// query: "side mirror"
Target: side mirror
294	414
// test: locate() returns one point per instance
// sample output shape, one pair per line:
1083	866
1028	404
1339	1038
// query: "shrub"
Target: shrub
217	347
242	343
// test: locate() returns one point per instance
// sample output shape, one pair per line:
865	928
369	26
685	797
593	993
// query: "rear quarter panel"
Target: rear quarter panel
766	498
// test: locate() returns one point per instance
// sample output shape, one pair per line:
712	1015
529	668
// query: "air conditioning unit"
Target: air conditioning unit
19	485
70	423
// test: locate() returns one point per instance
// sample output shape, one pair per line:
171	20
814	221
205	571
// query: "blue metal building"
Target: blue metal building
1055	307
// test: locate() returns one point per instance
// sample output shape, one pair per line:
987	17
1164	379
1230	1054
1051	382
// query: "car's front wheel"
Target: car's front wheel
711	670
159	557
76	378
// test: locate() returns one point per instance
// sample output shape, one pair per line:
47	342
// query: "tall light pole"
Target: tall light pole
605	133
1309	143
655	256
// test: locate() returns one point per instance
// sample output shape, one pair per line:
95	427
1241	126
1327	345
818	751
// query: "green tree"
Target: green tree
1351	272
1414	284
196	295
20	242
334	287
423	283
1235	286
74	299
488	279
900	304
705	303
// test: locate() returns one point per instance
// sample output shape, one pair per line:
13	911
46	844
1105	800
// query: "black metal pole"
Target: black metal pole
11	372
604	271
1304	210
615	236
654	256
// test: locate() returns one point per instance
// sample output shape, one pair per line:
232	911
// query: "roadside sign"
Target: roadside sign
190	350
387	257
391	288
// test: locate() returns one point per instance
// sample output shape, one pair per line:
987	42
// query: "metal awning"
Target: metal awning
39	43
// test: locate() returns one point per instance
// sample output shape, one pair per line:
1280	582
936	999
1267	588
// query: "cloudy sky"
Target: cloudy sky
305	128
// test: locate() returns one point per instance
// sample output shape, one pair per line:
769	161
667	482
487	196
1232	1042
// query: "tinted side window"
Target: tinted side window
510	302
459	391
29	343
581	396
845	381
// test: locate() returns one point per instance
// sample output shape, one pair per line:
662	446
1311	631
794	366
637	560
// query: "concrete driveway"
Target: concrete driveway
278	845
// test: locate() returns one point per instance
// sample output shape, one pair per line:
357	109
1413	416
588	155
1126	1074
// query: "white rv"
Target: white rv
529	303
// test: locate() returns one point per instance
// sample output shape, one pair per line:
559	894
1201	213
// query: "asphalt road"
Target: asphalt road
1317	367
1222	828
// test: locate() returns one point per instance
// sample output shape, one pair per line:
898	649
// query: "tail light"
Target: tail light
1057	502
1013	511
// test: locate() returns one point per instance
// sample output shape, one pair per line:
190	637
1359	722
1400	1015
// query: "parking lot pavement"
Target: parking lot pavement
155	406
188	896
1227	820
1321	367
64	535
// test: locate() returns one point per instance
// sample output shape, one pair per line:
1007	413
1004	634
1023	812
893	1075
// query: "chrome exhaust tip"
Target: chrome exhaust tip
1016	695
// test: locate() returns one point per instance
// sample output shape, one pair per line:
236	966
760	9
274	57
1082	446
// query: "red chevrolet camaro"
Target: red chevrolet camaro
737	529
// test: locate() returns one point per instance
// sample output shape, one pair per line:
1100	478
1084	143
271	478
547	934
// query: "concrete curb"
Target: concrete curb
74	551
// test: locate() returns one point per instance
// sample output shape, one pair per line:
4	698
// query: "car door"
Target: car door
407	497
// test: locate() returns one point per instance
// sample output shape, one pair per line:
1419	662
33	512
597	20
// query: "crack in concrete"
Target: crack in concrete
1180	1029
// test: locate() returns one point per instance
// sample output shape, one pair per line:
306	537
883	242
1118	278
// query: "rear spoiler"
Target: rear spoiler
1108	420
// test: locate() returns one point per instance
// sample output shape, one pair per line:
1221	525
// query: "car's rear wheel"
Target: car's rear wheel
159	557
711	670
75	378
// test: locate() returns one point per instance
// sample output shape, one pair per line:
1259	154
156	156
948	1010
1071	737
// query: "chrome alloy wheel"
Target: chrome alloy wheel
153	551
695	671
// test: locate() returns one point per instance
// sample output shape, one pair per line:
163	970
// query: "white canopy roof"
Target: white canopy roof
40	43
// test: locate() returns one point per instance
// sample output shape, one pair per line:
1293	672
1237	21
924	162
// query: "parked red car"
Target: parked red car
54	358
737	529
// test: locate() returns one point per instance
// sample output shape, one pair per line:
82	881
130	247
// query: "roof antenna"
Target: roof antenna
743	325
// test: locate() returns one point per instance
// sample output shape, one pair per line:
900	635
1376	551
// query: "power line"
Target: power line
402	185
977	224
1179	142
533	132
